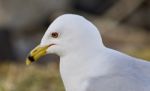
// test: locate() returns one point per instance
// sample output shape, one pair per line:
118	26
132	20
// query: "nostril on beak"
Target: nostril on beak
31	58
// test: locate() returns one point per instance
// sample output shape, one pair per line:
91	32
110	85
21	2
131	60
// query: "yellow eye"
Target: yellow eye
54	34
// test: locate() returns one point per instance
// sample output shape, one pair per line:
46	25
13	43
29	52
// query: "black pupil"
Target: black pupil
55	35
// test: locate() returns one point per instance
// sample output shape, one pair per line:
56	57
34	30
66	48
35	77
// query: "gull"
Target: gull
85	63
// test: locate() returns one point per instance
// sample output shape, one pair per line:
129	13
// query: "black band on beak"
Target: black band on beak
31	58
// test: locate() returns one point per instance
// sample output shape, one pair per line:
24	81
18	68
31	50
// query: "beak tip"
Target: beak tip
35	54
28	62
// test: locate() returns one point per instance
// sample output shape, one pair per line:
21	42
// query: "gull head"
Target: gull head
67	34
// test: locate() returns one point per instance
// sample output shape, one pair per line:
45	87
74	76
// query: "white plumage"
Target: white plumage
87	65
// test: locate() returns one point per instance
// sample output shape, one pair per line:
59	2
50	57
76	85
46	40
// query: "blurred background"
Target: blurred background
124	26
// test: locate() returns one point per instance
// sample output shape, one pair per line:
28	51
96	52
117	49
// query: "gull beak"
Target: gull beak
36	53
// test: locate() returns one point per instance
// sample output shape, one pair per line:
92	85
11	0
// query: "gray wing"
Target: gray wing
118	83
135	77
128	74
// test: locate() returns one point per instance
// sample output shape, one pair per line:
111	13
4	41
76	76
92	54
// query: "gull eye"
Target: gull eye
54	34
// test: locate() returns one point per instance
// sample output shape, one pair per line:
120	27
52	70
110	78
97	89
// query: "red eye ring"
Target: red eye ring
54	34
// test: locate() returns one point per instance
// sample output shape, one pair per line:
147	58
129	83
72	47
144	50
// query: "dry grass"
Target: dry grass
141	53
19	77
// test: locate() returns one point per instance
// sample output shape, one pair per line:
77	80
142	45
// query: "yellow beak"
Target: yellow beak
36	53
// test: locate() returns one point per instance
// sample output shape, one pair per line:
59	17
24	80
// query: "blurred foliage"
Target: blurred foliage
18	77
